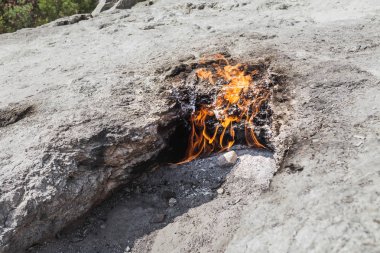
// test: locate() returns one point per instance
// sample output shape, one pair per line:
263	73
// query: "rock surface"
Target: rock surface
227	159
200	211
99	109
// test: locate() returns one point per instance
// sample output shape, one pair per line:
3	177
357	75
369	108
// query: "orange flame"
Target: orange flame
239	99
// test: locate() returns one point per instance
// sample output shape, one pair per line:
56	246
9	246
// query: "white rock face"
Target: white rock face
259	169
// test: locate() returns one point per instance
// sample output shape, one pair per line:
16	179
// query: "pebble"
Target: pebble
127	249
172	202
227	159
220	191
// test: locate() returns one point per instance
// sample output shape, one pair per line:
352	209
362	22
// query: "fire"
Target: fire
238	101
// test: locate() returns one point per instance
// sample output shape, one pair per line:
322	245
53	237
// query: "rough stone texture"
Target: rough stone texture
13	113
140	217
71	20
57	163
110	5
98	94
209	227
227	159
327	198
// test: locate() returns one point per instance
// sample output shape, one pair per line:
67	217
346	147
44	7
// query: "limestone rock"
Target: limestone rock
99	109
227	159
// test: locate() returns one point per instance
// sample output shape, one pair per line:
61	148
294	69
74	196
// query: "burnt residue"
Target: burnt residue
182	70
14	113
187	93
190	92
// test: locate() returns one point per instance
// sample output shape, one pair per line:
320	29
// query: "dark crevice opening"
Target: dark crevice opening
176	141
176	134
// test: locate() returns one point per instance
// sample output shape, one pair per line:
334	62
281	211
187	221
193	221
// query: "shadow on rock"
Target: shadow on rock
149	203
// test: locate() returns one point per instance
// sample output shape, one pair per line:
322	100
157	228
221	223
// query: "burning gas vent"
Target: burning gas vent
224	103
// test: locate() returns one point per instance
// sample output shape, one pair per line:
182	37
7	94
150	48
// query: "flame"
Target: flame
239	100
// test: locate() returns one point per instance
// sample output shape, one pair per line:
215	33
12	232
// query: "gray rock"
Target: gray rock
110	5
69	137
98	114
172	202
227	159
127	4
71	19
13	113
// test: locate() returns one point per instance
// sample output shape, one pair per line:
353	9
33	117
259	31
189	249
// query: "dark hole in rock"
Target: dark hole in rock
177	142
